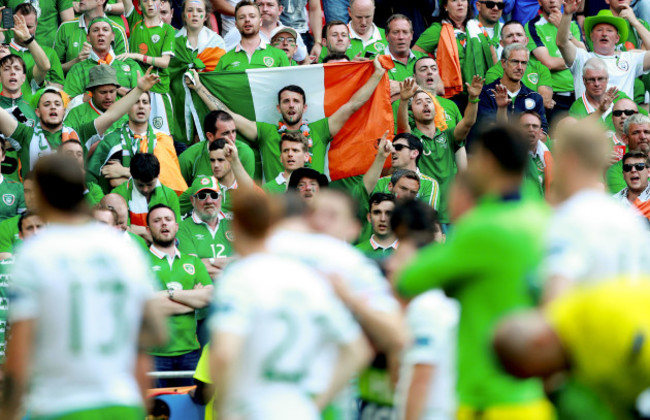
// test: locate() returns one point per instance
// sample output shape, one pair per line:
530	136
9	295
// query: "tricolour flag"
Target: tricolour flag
254	95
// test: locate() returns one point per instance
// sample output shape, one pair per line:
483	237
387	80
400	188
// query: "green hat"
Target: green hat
606	16
101	75
100	19
205	183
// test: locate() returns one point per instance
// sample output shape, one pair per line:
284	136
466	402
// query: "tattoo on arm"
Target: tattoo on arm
213	100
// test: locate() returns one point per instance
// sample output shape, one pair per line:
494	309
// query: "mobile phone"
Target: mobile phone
370	54
7	18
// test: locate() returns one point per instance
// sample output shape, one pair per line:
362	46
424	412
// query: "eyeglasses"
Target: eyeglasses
627	112
491	4
399	147
638	166
517	62
279	40
202	196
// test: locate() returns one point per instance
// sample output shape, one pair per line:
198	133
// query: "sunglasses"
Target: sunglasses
399	147
492	4
638	166
204	195
627	112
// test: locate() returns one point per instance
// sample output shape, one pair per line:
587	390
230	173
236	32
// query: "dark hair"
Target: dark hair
335	56
507	145
404	173
637	154
308	173
378	198
217	144
25	9
333	23
416	221
145	167
243	3
11	59
295	138
26	215
295	89
512	22
444	14
210	120
413	142
60	180
49	90
206	3
159	206
398	16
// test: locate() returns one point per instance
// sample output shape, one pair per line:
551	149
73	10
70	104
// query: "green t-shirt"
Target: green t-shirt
12	198
5	270
536	75
48	20
268	140
9	231
374	47
402	71
278	185
87	112
152	42
185	272
10	163
54	75
439	162
490	266
264	56
196	238
452	113
72	34
543	34
195	160
78	76
374	251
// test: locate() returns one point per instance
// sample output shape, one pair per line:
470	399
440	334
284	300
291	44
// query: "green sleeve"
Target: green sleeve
577	110
321	129
185	243
55	74
184	202
120	45
246	156
60	43
122	191
23	135
615	181
73	81
545	78
132	19
86	131
185	160
172	201
168	41
531	43
202	276
495	72
8	229
429	39
62	5
445	266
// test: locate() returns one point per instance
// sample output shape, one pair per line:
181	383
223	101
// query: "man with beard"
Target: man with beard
636	134
183	287
636	168
252	52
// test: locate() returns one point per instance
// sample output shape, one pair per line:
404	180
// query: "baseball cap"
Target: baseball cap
205	183
286	29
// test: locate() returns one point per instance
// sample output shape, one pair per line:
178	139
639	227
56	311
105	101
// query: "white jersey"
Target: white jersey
85	288
286	312
432	319
623	68
589	239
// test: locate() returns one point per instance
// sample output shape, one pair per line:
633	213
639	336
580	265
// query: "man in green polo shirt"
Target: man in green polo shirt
383	241
294	154
292	103
251	52
207	232
502	224
183	287
103	86
365	36
72	45
50	131
50	15
399	35
100	36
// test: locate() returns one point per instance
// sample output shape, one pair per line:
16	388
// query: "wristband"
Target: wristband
144	59
29	40
474	101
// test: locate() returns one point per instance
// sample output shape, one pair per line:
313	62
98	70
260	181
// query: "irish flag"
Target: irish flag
254	94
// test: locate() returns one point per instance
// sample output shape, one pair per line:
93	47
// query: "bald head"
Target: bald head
527	346
117	203
362	13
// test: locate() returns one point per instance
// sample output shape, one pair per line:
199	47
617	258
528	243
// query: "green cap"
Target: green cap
101	75
100	19
606	16
205	183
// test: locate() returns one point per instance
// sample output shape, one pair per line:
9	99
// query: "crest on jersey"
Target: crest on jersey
230	236
199	236
155	38
379	47
189	268
268	61
235	64
158	122
529	103
75	44
622	64
8	199
533	78
126	67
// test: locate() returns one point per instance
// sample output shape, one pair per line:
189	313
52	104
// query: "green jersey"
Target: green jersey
536	75
264	56
373	250
72	34
196	238
579	109
9	237
154	41
375	45
439	162
13	198
78	76
542	33
277	185
183	272
20	109
93	194
87	112
48	18
489	265
5	270
195	160
268	139
402	70
54	75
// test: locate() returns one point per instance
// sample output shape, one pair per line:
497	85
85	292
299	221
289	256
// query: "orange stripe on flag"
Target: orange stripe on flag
138	219
354	148
210	57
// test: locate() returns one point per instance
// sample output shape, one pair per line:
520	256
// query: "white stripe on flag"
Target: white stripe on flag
266	83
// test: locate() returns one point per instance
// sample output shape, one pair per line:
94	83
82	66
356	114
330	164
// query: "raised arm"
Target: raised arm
316	26
246	127
8	123
384	149
40	58
244	181
502	98
567	48
407	90
66	15
357	100
471	111
628	14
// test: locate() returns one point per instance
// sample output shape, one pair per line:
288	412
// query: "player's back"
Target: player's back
286	312
85	288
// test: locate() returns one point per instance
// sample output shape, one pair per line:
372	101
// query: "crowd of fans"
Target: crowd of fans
515	178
